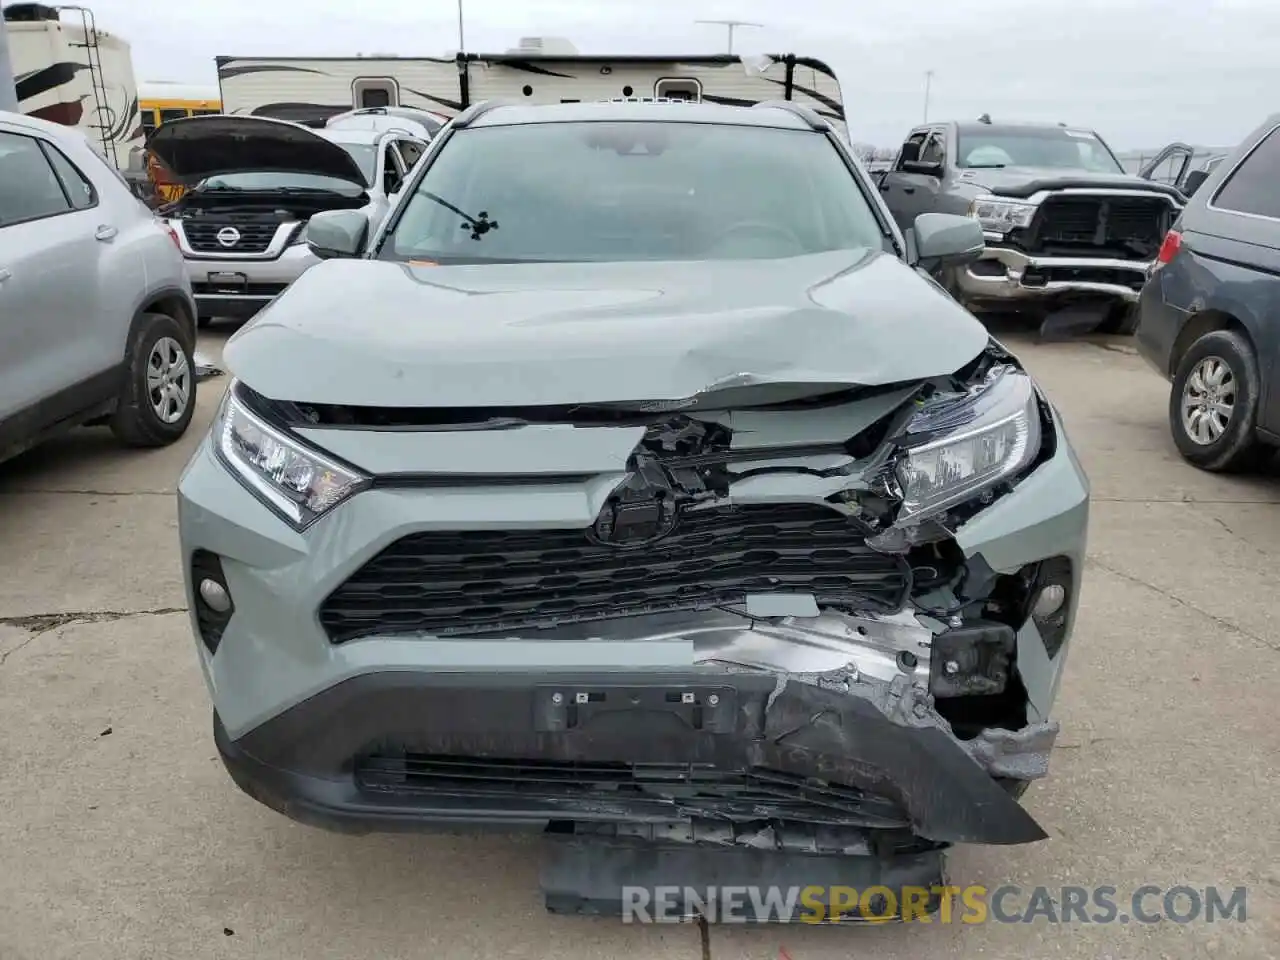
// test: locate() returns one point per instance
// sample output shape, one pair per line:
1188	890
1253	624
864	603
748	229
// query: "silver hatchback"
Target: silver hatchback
255	183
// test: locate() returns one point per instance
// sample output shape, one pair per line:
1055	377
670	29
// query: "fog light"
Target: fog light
214	605
215	595
1049	601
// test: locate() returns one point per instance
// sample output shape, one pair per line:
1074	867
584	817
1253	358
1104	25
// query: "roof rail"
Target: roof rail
814	121
476	111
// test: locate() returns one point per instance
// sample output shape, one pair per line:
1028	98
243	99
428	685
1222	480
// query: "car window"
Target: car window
411	150
1054	147
29	189
933	150
365	156
79	190
916	138
1166	171
1254	186
391	175
627	190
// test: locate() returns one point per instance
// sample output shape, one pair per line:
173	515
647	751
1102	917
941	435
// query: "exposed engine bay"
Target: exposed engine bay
256	217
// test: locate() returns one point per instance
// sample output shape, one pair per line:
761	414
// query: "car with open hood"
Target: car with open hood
254	182
1069	234
635	482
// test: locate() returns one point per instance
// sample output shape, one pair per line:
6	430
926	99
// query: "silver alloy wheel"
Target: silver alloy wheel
168	380
1208	400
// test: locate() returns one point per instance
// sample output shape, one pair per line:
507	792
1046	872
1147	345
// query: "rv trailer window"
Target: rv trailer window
167	115
678	88
148	122
375	92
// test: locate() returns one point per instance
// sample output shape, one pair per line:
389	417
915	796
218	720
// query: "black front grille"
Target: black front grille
449	583
255	236
1117	227
652	790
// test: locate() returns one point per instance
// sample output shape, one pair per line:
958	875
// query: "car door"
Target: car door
1169	166
900	186
48	277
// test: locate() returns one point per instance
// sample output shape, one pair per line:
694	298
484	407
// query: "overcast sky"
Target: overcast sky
1142	72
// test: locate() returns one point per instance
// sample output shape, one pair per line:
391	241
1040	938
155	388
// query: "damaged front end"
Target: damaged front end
829	623
1074	255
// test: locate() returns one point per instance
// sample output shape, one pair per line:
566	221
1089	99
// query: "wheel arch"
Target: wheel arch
172	302
1207	321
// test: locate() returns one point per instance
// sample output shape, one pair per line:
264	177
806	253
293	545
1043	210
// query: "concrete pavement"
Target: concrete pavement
122	837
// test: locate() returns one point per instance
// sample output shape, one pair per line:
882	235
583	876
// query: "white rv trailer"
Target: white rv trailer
311	89
70	72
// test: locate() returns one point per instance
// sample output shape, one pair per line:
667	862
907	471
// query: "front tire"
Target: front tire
1213	405
159	395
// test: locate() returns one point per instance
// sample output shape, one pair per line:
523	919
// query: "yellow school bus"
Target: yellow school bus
159	101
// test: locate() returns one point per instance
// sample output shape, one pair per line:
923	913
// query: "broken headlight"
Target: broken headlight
959	445
1000	215
295	481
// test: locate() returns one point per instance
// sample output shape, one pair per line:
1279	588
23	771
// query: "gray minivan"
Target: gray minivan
1210	311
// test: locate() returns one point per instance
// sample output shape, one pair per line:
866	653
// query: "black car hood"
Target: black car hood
194	148
1026	181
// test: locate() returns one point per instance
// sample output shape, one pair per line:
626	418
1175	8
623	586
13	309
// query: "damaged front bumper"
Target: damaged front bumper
778	762
1003	276
828	728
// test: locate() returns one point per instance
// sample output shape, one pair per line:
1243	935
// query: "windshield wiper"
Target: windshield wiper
986	166
480	225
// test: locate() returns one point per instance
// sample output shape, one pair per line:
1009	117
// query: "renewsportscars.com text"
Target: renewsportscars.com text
1009	903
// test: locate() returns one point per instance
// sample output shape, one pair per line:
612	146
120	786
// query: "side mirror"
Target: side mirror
923	166
1195	180
947	240
335	234
910	153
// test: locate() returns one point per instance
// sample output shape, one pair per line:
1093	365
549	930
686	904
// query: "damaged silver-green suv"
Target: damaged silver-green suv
634	482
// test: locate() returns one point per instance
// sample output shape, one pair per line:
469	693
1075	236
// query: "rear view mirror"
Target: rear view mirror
947	240
337	233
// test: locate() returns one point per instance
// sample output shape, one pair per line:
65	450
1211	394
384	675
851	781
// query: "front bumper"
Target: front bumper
1003	276
436	731
303	722
225	286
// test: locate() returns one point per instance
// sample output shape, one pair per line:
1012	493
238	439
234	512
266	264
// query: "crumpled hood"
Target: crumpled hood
194	148
1024	181
375	333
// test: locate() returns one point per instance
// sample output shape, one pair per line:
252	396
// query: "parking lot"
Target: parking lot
122	837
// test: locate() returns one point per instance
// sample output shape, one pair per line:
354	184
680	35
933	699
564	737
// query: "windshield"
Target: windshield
271	180
614	191
1035	147
365	156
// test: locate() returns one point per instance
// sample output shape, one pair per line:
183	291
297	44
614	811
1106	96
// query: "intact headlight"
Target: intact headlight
958	446
297	482
1000	215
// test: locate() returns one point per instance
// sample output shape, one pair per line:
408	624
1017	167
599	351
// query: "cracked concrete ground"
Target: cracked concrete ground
122	837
